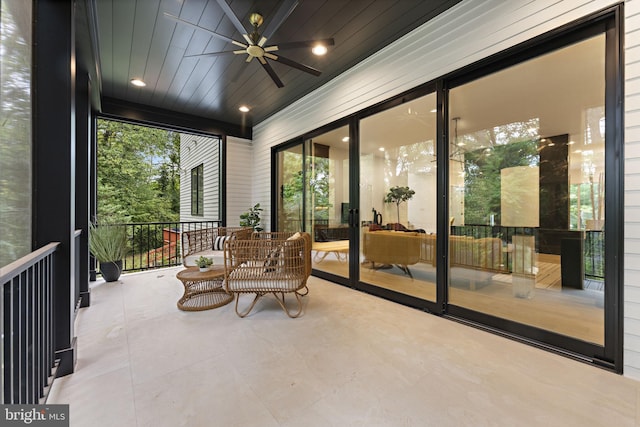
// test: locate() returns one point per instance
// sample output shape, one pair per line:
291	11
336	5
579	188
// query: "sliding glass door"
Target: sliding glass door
492	195
398	199
327	206
527	203
312	181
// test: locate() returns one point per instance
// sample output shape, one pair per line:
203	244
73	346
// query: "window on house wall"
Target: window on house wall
197	191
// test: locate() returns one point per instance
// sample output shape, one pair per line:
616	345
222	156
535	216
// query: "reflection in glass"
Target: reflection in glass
15	131
326	175
398	198
290	187
527	192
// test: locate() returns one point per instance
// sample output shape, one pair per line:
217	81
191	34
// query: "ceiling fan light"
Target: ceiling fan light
244	109
319	49
138	83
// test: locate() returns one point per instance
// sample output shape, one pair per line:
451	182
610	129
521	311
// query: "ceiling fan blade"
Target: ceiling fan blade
213	53
281	15
198	27
298	65
301	44
271	73
232	17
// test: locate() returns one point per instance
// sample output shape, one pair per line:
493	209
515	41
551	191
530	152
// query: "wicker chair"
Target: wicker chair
268	263
208	242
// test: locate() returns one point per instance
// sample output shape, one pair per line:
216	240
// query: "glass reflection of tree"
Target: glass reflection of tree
486	153
291	192
318	179
293	187
15	130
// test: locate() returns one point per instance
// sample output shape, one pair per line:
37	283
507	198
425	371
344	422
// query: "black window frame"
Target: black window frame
197	190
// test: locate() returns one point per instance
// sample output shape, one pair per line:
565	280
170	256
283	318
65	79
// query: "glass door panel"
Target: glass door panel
526	185
290	186
398	199
327	200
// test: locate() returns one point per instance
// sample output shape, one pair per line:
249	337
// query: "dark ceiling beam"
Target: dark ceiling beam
124	110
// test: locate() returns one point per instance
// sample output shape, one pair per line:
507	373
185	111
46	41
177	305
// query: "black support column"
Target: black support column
54	140
83	162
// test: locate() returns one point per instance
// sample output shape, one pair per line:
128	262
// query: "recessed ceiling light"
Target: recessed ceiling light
319	49
138	82
381	149
244	108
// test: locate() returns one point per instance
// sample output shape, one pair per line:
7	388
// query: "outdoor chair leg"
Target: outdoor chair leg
248	310
280	300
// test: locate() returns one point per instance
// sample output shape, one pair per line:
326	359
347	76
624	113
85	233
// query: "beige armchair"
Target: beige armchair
268	263
393	248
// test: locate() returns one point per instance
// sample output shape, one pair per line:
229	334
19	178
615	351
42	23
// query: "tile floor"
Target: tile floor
351	360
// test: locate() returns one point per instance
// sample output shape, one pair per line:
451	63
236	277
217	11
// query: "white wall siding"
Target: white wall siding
239	172
468	32
196	150
632	192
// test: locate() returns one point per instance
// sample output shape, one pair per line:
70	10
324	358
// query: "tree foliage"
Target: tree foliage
482	177
397	195
15	133
316	186
138	173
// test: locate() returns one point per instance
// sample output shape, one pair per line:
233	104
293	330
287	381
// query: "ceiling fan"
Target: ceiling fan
254	45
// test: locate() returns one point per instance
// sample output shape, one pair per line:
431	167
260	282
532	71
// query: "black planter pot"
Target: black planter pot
111	270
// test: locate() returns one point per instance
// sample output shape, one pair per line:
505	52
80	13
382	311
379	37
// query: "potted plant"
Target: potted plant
251	218
108	244
204	263
398	195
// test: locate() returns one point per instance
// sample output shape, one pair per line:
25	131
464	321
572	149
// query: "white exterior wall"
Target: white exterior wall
632	191
196	150
239	178
468	32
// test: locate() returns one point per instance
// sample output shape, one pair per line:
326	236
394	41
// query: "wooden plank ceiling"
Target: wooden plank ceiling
136	40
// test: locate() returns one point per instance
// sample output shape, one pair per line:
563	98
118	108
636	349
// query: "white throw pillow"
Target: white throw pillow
295	236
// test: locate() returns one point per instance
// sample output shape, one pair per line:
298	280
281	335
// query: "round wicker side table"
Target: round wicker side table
202	289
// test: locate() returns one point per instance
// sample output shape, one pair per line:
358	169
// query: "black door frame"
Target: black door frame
608	21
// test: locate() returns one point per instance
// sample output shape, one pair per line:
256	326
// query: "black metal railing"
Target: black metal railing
496	231
593	254
157	244
27	357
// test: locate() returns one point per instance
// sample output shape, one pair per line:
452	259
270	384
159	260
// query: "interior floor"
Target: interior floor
578	313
